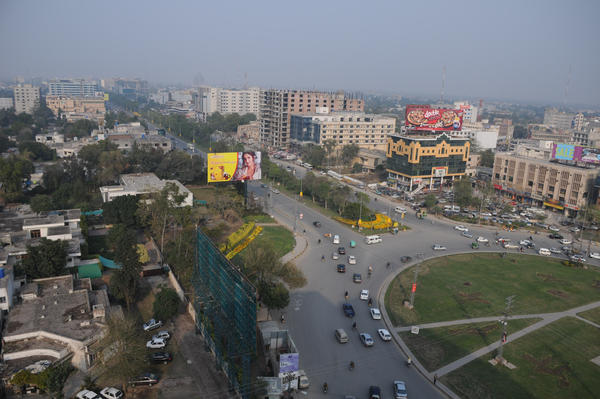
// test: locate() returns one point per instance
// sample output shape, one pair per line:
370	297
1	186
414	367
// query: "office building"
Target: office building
368	131
559	120
564	187
27	98
543	132
6	103
209	100
419	160
277	107
75	108
125	86
72	88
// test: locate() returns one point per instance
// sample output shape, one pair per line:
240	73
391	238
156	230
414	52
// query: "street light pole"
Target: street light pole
504	323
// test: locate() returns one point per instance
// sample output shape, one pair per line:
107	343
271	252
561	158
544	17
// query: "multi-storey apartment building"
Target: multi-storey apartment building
227	101
365	130
277	107
560	120
561	186
27	98
6	103
74	108
72	88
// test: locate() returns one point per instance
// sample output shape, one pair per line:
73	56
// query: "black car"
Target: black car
374	392
316	223
341	268
144	379
161	357
357	278
556	235
342	251
348	310
405	259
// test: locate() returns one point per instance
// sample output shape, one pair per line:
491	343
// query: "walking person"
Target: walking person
434	379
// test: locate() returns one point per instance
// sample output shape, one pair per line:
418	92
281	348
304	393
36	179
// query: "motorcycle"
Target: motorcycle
325	388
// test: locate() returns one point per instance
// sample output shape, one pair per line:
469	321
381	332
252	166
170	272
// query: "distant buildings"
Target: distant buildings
6	103
209	100
368	131
75	108
27	98
249	133
277	106
143	183
125	86
470	112
559	120
73	88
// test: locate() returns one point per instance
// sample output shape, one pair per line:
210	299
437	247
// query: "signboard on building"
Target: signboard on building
233	166
423	117
569	152
439	171
288	362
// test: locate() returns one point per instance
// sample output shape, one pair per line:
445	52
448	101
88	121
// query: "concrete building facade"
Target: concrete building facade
368	131
143	183
277	107
27	98
75	108
6	103
560	120
567	188
72	88
227	101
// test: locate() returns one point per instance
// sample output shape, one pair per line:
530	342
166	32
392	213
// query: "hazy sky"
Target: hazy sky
508	49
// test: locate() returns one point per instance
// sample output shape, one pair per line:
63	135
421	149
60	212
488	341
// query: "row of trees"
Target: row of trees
329	154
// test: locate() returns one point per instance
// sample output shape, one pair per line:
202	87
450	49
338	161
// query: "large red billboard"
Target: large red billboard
423	117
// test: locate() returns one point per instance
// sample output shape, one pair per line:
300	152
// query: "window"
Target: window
2	299
530	183
36	234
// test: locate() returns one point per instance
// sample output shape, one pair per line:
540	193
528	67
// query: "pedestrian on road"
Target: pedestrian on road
434	379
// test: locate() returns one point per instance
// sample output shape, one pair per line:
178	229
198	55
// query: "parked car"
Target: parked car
156	344
111	393
544	251
351	260
161	357
152	324
565	241
366	339
364	295
348	310
555	250
400	390
375	313
145	379
577	258
87	394
164	335
341	268
553	228
384	334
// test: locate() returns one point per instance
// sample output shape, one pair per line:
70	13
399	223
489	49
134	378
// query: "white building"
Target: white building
6	103
228	101
73	88
143	183
470	112
50	138
27	98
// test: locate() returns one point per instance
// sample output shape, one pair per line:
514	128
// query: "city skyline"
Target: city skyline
533	52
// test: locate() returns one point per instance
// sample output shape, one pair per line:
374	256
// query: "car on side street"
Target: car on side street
565	241
544	251
482	239
111	393
555	250
366	339
87	394
553	228
152	324
595	255
577	258
460	227
555	236
384	334
144	379
467	234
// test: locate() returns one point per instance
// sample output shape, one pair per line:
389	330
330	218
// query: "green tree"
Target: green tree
122	210
313	154
430	201
124	283
487	158
349	152
356	168
46	259
165	304
37	151
463	192
14	171
123	355
274	295
41	203
80	128
329	146
111	165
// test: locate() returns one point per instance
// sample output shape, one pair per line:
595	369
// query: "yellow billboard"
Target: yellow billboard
105	96
233	166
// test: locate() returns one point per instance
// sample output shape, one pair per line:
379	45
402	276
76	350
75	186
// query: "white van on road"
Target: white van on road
336	239
373	239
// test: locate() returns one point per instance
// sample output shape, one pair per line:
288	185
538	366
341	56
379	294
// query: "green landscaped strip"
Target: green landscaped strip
259	219
592	314
436	347
552	362
281	239
476	285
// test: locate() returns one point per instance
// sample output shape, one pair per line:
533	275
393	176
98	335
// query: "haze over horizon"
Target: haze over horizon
511	50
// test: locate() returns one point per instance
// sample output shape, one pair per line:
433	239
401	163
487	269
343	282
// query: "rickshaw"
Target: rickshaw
475	245
352	244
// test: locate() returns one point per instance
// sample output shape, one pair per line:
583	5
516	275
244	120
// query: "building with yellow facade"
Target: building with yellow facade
75	108
420	160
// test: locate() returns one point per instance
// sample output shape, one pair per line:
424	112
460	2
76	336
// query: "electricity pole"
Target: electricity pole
504	323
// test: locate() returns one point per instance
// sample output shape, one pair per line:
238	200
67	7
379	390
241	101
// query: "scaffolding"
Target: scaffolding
225	306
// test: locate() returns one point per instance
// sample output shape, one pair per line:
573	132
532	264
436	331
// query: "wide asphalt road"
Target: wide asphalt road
315	311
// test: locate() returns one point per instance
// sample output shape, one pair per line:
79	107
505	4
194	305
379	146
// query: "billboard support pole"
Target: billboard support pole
246	193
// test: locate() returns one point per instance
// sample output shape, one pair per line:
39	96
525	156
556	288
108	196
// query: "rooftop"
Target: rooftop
589	167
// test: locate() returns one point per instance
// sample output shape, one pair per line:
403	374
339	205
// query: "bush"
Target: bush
165	304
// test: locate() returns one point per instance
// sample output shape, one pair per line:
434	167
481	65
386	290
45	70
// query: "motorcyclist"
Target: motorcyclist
346	295
370	301
319	240
354	325
322	258
325	387
409	361
352	365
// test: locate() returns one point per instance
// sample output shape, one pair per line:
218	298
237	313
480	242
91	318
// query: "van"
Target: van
336	239
373	239
341	336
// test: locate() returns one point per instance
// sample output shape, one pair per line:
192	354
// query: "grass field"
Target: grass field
476	285
591	315
553	362
263	218
436	347
281	239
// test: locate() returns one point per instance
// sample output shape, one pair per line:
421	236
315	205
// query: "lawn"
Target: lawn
552	362
476	285
591	315
436	347
281	239
260	218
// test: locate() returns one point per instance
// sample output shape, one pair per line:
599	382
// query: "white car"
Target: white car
554	228
384	334
460	227
152	324
524	242
565	241
595	255
482	239
375	313
467	234
111	393
438	247
86	394
555	250
575	229
335	256
544	251
364	295
351	260
156	343
164	335
577	258
508	245
336	239
399	209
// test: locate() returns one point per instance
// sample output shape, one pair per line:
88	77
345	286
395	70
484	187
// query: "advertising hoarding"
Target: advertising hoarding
289	362
233	166
423	117
569	152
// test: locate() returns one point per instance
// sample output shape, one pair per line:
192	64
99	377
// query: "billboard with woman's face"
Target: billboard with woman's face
233	166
